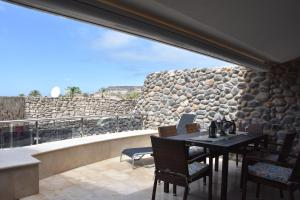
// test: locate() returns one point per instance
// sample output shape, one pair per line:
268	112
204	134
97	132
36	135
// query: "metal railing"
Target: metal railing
15	133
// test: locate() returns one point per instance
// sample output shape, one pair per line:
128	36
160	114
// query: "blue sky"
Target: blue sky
40	51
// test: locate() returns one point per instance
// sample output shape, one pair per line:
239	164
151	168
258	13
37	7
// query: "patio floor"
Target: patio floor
113	180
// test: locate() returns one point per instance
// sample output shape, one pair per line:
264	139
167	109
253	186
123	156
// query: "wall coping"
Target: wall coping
24	156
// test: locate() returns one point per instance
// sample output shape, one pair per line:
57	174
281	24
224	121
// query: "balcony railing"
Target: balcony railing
15	133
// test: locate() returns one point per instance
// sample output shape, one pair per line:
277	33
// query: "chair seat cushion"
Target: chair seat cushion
270	172
197	168
195	151
270	157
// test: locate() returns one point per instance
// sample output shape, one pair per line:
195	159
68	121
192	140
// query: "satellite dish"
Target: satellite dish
55	92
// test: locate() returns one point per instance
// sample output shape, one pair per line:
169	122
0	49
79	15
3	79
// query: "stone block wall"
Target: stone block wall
11	108
239	93
45	107
205	92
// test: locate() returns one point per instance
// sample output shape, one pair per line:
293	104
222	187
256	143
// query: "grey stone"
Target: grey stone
234	91
263	96
232	103
201	112
277	91
288	119
255	114
218	77
295	88
254	103
247	97
240	114
200	97
234	81
259	79
228	96
287	93
166	91
227	90
222	100
188	110
279	102
253	85
242	85
212	114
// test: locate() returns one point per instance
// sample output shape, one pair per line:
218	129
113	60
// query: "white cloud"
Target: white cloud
113	40
129	48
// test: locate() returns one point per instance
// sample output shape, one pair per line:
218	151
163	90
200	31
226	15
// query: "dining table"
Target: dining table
222	145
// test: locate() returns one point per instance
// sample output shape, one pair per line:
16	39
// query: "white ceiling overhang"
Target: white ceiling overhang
256	33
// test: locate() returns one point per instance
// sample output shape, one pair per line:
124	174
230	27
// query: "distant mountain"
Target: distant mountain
123	88
120	92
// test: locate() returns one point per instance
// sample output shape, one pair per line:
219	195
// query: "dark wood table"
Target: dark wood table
223	147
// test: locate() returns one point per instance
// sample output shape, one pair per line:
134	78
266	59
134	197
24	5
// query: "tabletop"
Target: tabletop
225	143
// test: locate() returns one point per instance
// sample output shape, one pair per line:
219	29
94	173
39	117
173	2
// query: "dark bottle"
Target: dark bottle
233	130
212	131
223	127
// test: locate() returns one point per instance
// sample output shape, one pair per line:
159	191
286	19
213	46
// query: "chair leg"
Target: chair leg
174	190
217	163
154	188
166	187
281	194
186	191
210	187
244	193
257	190
291	193
237	160
242	171
204	179
210	179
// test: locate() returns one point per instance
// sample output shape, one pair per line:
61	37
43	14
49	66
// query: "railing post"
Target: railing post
55	128
143	122
37	137
131	120
30	134
11	131
118	128
81	126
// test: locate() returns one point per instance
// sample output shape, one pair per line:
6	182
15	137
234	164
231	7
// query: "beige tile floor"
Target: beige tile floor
112	180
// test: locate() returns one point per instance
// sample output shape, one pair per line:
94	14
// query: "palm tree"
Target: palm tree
72	91
34	93
102	90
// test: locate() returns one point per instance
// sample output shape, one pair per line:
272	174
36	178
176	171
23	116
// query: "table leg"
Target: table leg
224	176
266	142
166	187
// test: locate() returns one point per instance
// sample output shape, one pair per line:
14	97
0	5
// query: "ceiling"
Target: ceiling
254	33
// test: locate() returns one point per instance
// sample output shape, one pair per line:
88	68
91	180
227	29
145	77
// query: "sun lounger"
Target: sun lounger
136	153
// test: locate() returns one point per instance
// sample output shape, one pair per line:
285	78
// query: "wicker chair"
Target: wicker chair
192	128
253	128
273	175
276	156
172	165
167	131
195	154
281	157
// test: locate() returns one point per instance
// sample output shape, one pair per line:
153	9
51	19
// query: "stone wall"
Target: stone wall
11	108
44	107
239	93
167	95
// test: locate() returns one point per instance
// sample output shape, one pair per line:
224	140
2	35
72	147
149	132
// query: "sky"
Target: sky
40	51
